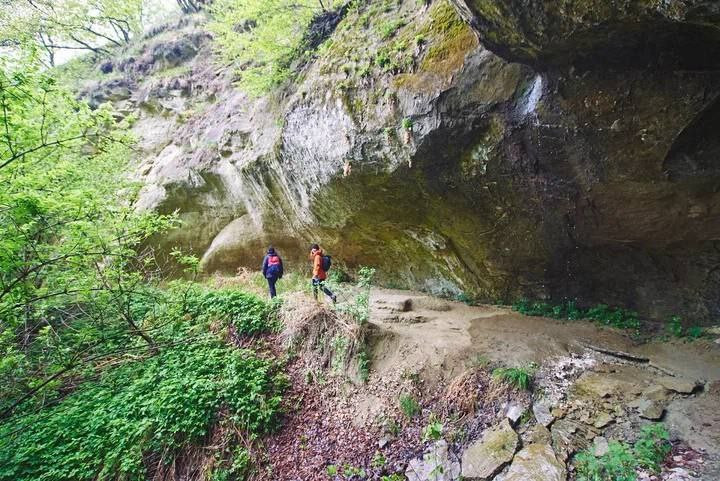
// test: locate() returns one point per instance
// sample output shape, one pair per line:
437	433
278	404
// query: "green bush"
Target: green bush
157	405
248	313
433	431
622	460
517	377
615	317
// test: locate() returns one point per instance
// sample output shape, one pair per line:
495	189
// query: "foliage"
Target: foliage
156	403
409	406
617	465
378	461
358	307
652	447
153	406
262	37
352	471
393	477
407	123
622	460
615	317
675	326
51	26
71	266
246	312
363	365
517	377
433	431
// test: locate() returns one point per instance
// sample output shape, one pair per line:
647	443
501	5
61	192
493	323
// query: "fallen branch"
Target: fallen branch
619	354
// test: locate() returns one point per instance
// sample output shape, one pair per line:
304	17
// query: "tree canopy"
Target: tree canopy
263	37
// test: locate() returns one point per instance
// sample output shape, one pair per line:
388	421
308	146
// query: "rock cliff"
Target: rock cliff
498	149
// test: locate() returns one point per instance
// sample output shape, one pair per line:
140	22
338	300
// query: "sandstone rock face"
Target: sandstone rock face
537	462
485	457
563	155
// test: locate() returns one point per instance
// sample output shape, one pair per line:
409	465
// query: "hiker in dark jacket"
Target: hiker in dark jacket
319	274
272	269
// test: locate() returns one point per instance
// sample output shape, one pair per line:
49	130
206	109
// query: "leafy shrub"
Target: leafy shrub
675	326
388	29
652	447
622	460
246	312
694	332
158	405
615	317
378	460
409	406
617	465
433	431
517	377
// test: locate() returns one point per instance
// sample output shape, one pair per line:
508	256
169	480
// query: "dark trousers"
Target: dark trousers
318	284
271	286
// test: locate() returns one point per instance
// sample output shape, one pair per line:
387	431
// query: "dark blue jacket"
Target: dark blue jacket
266	273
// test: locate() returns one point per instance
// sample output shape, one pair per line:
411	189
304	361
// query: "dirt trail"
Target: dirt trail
438	338
421	347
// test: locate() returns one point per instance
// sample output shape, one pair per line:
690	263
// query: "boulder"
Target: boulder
602	420
514	411
651	409
542	414
680	385
538	434
536	462
600	446
435	465
485	457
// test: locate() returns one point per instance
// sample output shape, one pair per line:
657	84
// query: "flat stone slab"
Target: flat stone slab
536	462
435	465
484	458
542	414
680	385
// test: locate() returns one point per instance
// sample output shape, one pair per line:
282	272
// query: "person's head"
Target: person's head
271	250
314	248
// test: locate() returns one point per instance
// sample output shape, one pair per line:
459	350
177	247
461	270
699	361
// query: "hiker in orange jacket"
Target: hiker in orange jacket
319	274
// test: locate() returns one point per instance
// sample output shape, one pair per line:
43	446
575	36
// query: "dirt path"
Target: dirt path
438	338
420	345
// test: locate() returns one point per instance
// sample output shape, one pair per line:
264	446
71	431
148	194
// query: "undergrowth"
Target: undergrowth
517	377
622	460
615	317
136	407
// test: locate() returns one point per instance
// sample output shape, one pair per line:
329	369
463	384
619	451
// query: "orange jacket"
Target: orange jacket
316	258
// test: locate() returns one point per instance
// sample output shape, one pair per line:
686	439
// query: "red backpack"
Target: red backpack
274	268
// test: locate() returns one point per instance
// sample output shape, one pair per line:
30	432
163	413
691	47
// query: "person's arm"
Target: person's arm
282	269
265	265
